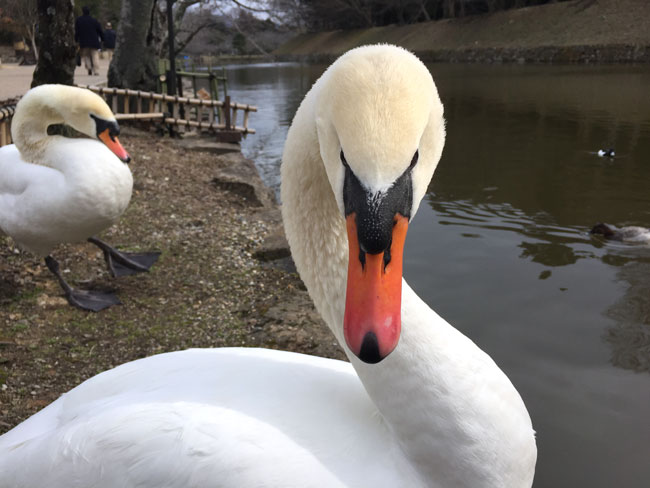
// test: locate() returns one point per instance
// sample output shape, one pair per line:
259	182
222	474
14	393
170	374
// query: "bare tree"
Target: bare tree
192	23
25	14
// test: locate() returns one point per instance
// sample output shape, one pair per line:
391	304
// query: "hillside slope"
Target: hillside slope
576	31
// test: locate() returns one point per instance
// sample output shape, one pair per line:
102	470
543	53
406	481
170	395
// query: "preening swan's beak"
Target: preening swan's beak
373	303
114	145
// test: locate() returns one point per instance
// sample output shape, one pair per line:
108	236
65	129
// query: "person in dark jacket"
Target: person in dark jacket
88	34
109	41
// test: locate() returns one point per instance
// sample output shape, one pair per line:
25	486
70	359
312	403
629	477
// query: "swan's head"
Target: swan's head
381	131
82	110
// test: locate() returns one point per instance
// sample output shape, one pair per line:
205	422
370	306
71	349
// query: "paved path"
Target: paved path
15	80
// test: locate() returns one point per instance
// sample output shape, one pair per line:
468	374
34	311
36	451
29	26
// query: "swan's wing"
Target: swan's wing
17	174
199	418
169	445
17	178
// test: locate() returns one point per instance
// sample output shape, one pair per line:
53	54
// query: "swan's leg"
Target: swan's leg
84	299
125	263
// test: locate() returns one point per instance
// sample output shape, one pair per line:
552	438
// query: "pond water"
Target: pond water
500	247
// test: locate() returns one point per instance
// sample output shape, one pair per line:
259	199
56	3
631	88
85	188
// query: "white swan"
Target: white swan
436	412
57	190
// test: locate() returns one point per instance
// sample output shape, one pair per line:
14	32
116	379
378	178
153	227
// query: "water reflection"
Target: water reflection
630	334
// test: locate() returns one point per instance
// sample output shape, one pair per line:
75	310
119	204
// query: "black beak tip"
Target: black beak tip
369	352
127	160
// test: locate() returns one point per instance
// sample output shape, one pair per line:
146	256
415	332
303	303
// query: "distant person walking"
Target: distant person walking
109	41
88	34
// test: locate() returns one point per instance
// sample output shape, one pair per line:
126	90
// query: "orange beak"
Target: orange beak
114	145
373	303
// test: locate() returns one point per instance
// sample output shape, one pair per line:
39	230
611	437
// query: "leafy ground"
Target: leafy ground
207	289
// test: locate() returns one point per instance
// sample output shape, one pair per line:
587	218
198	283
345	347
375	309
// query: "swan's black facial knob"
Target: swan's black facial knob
375	212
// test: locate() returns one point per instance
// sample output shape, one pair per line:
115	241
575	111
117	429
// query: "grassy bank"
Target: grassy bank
576	31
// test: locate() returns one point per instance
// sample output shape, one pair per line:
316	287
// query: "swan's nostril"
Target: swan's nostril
369	352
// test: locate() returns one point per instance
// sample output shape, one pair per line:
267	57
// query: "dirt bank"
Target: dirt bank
207	290
576	31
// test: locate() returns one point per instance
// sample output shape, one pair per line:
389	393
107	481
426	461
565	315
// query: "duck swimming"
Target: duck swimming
418	405
626	234
58	190
606	153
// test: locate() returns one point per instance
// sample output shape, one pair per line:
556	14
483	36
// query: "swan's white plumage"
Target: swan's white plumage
55	189
220	417
437	412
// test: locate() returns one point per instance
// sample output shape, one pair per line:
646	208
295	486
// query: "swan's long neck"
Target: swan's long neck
457	417
34	114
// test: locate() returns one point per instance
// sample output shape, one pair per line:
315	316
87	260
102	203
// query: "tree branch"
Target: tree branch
265	10
182	44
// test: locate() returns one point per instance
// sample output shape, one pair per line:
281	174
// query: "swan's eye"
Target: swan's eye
343	160
414	161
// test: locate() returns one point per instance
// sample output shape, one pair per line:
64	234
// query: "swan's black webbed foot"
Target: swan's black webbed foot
125	263
91	300
83	299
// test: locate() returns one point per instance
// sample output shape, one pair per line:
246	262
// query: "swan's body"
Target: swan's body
69	200
631	234
434	412
57	190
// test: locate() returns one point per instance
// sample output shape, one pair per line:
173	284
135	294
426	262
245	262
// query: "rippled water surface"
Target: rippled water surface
500	246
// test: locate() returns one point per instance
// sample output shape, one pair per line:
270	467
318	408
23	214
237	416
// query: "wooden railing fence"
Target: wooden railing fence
189	77
226	119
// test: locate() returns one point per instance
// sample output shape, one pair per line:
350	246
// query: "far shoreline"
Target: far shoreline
576	31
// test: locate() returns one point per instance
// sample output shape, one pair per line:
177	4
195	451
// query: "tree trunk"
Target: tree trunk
134	64
55	41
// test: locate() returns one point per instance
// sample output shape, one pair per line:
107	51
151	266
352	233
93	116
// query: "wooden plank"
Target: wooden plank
192	123
142	116
169	98
226	112
245	123
3	133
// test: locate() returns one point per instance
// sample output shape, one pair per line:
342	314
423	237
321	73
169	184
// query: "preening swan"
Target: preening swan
56	190
419	405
